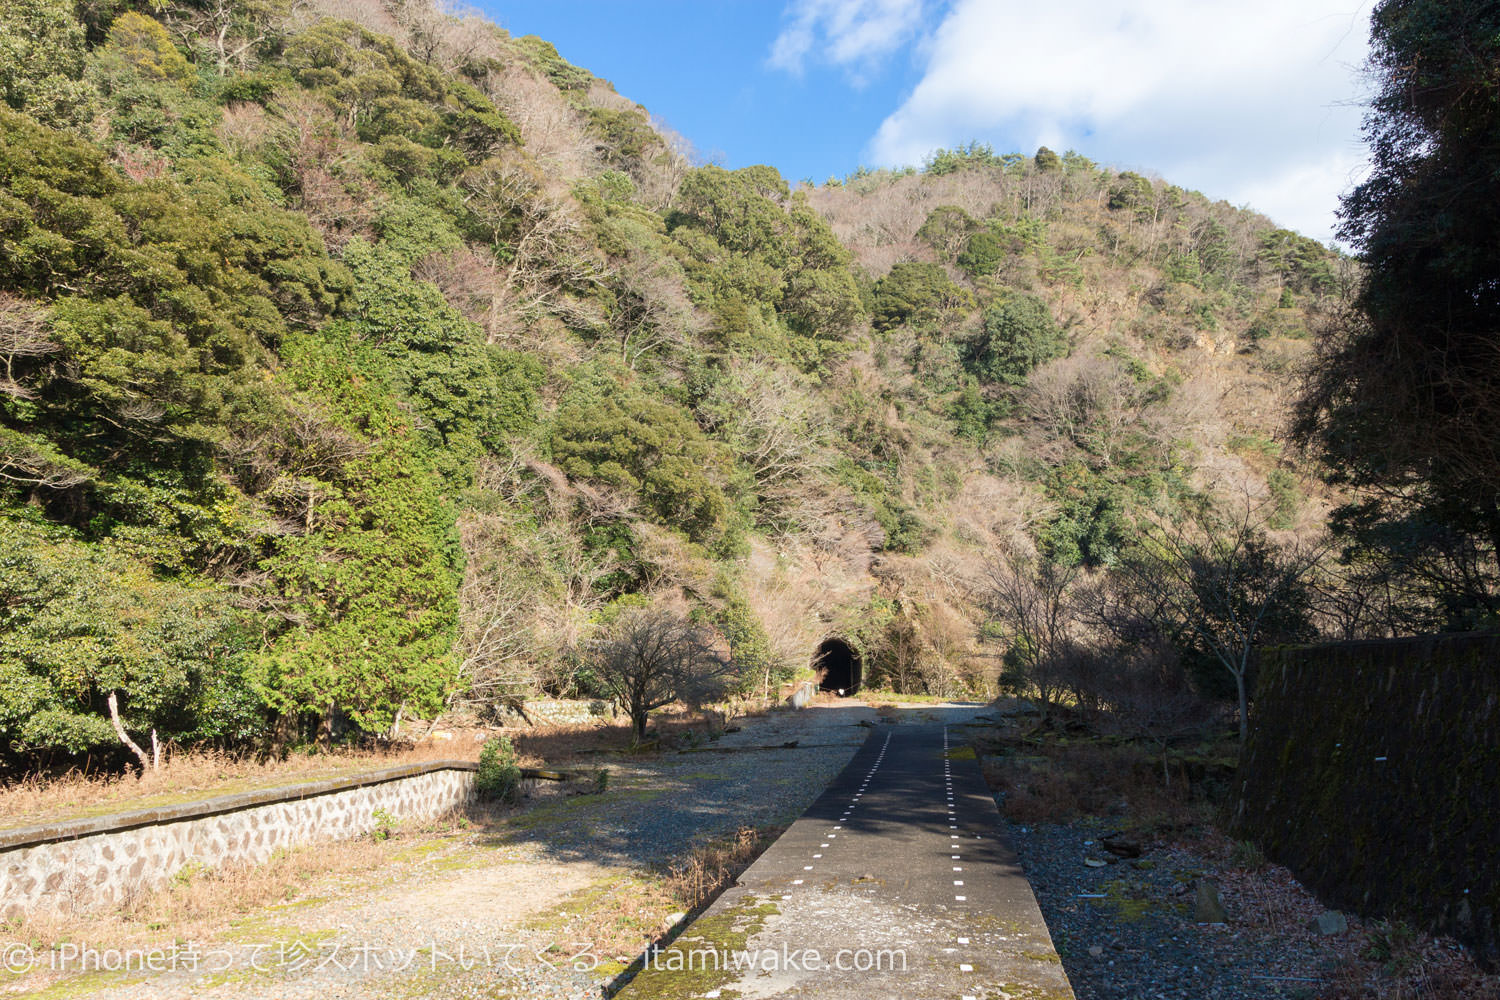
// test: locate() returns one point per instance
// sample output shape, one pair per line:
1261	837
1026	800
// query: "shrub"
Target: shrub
499	777
915	292
385	825
1018	335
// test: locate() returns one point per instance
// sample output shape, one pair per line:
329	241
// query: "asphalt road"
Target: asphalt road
894	883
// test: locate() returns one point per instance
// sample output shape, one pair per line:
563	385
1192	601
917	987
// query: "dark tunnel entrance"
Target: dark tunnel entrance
838	666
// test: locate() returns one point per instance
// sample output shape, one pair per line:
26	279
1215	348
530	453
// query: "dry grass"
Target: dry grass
619	917
1058	783
1423	969
624	915
198	774
190	775
199	901
699	878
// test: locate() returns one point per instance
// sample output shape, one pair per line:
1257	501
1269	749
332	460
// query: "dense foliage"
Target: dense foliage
1405	399
353	367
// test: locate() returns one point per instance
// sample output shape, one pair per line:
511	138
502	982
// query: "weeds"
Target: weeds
385	825
499	776
1247	855
1395	945
709	869
1063	781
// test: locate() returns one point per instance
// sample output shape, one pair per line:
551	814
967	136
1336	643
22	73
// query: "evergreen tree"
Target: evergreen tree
1405	399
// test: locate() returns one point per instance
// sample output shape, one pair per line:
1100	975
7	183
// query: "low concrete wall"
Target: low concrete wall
80	864
802	695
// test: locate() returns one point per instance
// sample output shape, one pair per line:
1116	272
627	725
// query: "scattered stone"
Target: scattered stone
1208	907
673	919
1331	922
1094	862
866	723
1096	952
1121	848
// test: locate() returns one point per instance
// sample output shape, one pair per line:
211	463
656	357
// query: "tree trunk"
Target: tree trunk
1244	706
325	729
638	722
114	718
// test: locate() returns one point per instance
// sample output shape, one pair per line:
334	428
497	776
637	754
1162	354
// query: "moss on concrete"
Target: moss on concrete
666	977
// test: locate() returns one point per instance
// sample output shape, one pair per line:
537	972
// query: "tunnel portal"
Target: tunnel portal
839	667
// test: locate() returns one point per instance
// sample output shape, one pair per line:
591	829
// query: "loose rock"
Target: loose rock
1208	907
1332	922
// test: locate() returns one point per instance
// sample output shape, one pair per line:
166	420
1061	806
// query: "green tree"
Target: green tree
1018	334
435	357
367	610
79	623
982	254
42	58
915	292
773	273
616	434
947	229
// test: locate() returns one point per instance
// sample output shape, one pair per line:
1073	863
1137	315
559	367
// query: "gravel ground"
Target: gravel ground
667	803
474	915
1126	930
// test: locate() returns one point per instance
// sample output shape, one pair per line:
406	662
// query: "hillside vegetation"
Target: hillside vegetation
361	359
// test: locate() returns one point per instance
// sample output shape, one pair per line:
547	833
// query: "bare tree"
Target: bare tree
772	420
1217	580
232	29
1152	698
495	612
654	656
1031	598
652	308
535	234
1090	401
23	339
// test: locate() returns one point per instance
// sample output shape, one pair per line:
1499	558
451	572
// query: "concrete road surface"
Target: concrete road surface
893	884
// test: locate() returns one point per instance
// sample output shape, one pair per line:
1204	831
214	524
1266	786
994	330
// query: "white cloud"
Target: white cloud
848	33
1252	103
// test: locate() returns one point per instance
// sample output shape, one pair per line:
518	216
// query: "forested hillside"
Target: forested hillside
360	360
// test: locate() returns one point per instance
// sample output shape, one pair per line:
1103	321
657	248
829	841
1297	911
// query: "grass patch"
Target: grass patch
669	975
1061	779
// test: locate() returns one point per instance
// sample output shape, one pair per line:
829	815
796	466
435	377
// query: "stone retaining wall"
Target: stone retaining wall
80	864
1373	772
560	712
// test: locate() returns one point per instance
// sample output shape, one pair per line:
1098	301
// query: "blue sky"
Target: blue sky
1256	104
